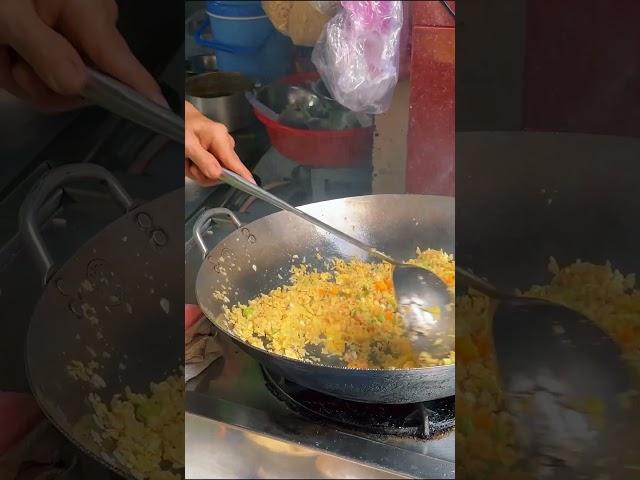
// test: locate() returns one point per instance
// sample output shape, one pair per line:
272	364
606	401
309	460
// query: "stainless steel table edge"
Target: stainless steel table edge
314	436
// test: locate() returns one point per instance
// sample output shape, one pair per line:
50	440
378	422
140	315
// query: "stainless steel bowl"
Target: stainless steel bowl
220	96
278	97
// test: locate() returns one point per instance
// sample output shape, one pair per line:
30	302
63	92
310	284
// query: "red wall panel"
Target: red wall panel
432	14
431	135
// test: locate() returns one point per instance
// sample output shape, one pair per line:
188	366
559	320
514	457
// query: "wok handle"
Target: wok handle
204	222
28	216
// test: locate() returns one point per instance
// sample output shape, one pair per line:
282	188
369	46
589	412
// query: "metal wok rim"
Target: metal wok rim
293	361
104	461
108	462
67	430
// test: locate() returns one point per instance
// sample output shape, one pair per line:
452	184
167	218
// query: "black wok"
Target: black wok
126	265
396	224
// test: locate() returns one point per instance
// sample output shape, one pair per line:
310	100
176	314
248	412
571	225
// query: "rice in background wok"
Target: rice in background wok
486	444
146	431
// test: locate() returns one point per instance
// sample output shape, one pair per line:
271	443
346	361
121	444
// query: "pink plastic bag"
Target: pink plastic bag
358	53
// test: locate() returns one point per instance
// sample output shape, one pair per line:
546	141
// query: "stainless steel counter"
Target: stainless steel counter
212	452
231	398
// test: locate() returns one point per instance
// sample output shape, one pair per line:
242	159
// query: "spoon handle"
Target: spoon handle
236	181
470	280
122	100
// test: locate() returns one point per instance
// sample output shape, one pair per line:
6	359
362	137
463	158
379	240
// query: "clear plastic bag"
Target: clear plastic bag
358	53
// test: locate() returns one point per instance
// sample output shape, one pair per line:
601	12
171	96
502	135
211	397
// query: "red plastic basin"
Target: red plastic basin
319	148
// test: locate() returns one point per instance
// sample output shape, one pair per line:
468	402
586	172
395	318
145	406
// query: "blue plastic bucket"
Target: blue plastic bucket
245	41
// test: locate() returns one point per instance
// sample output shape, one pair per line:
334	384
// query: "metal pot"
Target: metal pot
220	96
198	64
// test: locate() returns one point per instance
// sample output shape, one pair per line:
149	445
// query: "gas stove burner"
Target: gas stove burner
422	420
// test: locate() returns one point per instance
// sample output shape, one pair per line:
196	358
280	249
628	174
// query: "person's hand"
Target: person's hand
192	314
207	148
19	414
44	45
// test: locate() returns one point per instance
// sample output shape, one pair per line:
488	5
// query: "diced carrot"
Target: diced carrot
381	286
483	344
465	349
388	315
626	336
482	420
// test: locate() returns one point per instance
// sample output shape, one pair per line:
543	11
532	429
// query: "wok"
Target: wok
127	265
396	224
523	197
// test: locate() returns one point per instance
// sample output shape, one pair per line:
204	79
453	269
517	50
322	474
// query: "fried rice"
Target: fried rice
486	445
145	431
349	312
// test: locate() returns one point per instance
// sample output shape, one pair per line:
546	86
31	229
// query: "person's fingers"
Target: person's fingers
222	145
187	170
199	177
205	135
52	57
118	61
189	175
28	80
7	82
41	96
233	163
196	174
19	79
108	50
192	171
206	162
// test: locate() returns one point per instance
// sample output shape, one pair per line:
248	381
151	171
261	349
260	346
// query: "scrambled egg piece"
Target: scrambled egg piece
147	431
486	443
86	372
348	312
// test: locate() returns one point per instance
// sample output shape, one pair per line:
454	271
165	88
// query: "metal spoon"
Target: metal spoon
548	354
418	291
